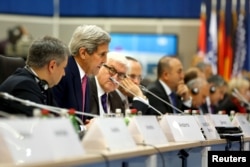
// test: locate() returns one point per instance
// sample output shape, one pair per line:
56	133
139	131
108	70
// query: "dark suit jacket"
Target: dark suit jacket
68	93
232	104
112	98
22	84
158	90
204	108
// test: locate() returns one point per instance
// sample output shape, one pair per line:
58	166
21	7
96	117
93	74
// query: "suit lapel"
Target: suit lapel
77	87
93	96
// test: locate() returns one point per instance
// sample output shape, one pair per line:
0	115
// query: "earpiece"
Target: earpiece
212	89
195	91
42	83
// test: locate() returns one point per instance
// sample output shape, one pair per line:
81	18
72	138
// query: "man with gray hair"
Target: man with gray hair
217	90
199	90
89	47
104	98
45	66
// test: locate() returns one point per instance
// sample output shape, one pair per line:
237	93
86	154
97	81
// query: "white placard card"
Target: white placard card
241	121
63	139
108	134
208	129
35	140
219	120
182	128
146	129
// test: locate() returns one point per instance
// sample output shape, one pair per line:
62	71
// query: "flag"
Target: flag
202	44
211	56
240	45
230	35
221	43
247	61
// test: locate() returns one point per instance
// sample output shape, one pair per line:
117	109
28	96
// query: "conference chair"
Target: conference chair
8	65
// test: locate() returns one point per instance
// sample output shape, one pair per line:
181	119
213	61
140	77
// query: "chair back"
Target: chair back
8	65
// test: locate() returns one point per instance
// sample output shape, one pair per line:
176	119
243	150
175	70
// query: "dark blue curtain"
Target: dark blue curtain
106	8
27	7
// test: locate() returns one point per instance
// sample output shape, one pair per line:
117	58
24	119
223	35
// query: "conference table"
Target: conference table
161	155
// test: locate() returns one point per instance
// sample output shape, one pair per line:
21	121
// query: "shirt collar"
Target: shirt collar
82	73
165	87
100	91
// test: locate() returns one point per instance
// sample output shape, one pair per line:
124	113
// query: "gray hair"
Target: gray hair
196	83
202	66
217	80
88	37
43	50
118	57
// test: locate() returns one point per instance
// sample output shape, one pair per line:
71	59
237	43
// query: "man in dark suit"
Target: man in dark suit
88	46
217	90
131	84
44	68
169	86
101	85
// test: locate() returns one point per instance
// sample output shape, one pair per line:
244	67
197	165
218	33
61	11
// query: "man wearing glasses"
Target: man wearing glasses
129	91
103	98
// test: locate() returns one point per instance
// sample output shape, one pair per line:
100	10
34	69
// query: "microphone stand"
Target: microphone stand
57	110
236	94
141	99
169	104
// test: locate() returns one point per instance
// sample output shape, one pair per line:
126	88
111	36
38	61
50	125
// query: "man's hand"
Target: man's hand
183	91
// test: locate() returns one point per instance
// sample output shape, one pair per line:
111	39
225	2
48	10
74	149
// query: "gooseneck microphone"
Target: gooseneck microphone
57	110
237	94
164	101
141	99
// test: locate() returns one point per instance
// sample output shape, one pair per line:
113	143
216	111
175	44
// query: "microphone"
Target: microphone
141	99
57	110
9	116
237	94
164	101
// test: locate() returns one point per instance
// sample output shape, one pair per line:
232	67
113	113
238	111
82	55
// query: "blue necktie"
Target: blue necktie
104	102
173	100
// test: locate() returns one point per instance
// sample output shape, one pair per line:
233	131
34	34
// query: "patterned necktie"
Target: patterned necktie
84	83
104	102
212	109
173	100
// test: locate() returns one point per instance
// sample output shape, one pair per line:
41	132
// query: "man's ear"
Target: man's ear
82	52
51	65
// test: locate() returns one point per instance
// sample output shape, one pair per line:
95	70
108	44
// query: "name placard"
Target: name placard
181	128
146	129
108	134
220	120
241	121
35	140
208	129
62	137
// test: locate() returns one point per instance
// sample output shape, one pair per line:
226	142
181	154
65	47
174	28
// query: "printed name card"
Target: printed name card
108	134
35	140
219	120
146	129
241	121
208	129
62	138
181	128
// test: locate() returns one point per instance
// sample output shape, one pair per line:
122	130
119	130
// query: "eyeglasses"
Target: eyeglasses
113	71
133	76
